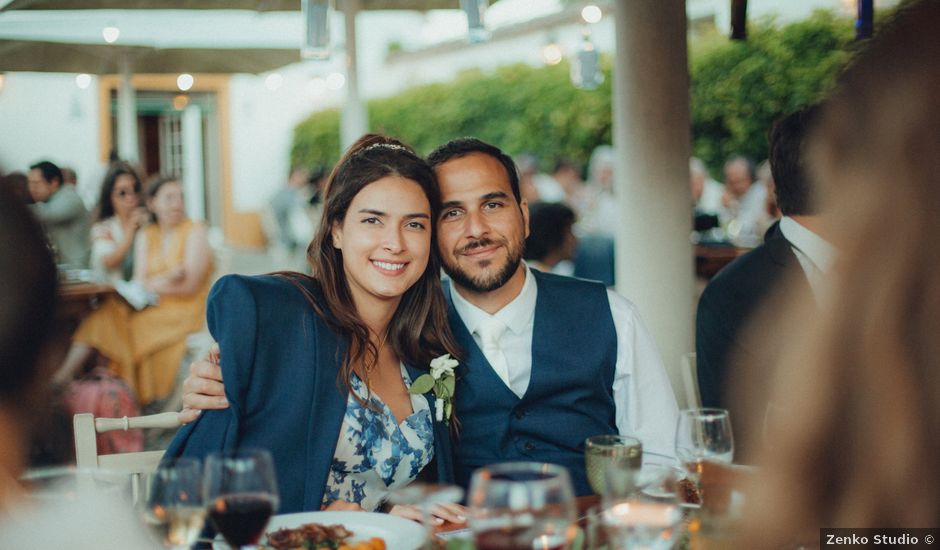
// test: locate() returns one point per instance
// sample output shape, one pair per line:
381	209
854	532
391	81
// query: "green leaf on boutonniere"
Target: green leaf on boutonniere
422	384
449	383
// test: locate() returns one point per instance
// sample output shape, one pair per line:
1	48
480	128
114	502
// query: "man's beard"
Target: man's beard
485	282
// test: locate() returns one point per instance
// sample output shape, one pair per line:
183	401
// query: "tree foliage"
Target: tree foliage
737	90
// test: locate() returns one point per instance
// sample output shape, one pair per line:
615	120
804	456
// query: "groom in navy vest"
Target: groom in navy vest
548	360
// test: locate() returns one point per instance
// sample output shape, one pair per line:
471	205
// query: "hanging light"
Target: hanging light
585	66
110	34
185	81
83	81
552	54
317	15
591	14
476	31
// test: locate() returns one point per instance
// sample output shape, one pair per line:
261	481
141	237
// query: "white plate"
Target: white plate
398	533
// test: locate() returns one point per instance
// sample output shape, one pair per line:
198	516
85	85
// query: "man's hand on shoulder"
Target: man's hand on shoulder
203	388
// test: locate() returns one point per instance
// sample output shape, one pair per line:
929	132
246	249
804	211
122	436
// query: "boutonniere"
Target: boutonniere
442	380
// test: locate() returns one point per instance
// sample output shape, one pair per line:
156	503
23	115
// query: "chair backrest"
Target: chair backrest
134	464
693	399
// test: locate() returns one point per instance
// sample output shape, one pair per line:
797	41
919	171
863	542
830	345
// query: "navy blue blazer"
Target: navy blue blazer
280	362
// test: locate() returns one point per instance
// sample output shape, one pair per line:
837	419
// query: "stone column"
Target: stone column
126	115
354	120
651	137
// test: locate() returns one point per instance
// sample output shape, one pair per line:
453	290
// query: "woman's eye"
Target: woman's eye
416	225
372	220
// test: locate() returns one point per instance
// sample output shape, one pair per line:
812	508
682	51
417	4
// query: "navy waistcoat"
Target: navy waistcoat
569	398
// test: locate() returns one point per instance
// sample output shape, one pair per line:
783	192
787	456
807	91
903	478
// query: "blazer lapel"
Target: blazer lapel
327	409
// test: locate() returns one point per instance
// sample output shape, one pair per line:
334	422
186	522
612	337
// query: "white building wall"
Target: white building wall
47	117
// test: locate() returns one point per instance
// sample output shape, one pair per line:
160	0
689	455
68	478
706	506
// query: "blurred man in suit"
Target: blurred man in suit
792	246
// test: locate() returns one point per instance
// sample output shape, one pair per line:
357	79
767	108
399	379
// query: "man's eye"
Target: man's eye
372	220
449	214
492	205
416	225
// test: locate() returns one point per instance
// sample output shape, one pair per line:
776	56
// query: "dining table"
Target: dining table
76	300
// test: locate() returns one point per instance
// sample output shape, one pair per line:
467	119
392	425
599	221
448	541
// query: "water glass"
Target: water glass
612	463
173	507
425	496
522	506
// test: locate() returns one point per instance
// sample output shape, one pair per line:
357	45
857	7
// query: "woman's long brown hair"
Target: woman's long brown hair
419	330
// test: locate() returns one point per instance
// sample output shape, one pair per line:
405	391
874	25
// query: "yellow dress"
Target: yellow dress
146	347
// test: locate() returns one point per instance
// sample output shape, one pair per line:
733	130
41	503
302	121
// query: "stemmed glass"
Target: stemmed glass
241	492
522	506
612	463
703	435
173	505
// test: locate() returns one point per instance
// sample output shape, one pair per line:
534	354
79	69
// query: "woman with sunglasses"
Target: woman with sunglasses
119	215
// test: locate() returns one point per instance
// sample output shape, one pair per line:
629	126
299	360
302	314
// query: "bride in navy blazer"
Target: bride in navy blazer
322	380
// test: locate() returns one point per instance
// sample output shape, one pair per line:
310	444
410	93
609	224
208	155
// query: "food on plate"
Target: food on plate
310	536
687	492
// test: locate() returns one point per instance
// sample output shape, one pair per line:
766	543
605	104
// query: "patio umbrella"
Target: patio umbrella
58	57
256	5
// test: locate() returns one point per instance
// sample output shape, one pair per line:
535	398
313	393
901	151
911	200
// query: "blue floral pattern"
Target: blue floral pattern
374	455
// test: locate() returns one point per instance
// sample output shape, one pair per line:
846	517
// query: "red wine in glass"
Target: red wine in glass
241	518
517	538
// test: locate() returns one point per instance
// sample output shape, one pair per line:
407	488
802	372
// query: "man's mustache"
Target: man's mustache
473	245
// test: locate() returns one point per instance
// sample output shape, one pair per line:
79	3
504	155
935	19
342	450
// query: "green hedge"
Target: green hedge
738	89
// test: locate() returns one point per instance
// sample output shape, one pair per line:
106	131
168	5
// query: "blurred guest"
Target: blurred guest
18	184
598	219
551	239
732	297
119	215
62	213
568	176
858	444
172	259
742	202
284	203
28	353
528	176
68	176
30	346
597	207
706	192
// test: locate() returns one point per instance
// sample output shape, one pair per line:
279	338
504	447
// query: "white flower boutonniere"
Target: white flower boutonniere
442	381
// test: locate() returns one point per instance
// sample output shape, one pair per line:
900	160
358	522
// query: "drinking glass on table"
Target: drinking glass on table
241	494
703	435
612	463
522	506
173	505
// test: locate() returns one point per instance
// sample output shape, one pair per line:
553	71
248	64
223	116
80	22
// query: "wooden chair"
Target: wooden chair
138	464
693	399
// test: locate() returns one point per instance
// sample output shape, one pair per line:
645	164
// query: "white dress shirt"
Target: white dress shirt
812	251
643	398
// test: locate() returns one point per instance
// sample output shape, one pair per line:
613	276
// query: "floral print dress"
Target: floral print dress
374	455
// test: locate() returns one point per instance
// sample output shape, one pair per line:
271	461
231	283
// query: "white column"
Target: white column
651	137
126	115
194	185
354	120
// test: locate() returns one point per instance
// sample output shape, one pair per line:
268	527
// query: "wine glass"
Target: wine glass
703	435
612	463
241	493
173	506
522	506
